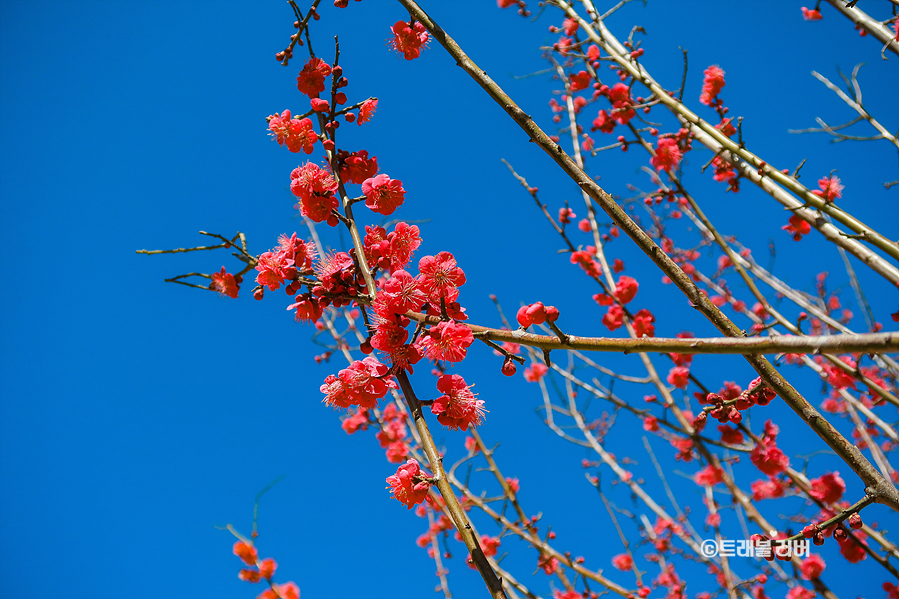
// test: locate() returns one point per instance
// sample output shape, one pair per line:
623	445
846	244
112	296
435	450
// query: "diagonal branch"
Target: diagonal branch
869	24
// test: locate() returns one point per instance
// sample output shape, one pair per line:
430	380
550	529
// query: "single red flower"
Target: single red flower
768	458
585	259
319	105
829	189
248	575
811	14
643	323
766	489
622	104
623	562
731	436
356	167
679	377
361	384
366	110
800	592
797	227
401	293
852	549
409	41
711	85
383	194
225	283
447	341
828	488
580	81
310	179
389	336
726	127
288	590
298	134
535	372
311	80
565	215
404	486
308	308
404	240
723	170
355	420
457	408
614	317
667	155
439	276
709	476
548	563
604	122
315	188
626	289
246	552
812	567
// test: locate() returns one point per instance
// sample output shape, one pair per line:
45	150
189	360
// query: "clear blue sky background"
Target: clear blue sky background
136	416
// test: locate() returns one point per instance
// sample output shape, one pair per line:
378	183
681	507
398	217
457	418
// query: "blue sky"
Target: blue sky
137	416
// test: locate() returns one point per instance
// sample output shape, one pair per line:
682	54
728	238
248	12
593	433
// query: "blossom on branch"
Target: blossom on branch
709	476
401	293
356	167
828	488
447	341
766	456
711	85
457	408
643	324
404	486
246	552
535	372
830	189
797	227
679	376
366	110
225	283
626	289
314	186
614	317
311	80
811	14
623	562
362	384
440	277
667	155
298	134
409	41
288	590
383	194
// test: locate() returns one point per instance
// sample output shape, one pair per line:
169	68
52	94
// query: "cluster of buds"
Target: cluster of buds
730	410
536	313
286	54
258	569
817	534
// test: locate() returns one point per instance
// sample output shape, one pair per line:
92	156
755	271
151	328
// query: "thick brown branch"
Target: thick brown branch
460	520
